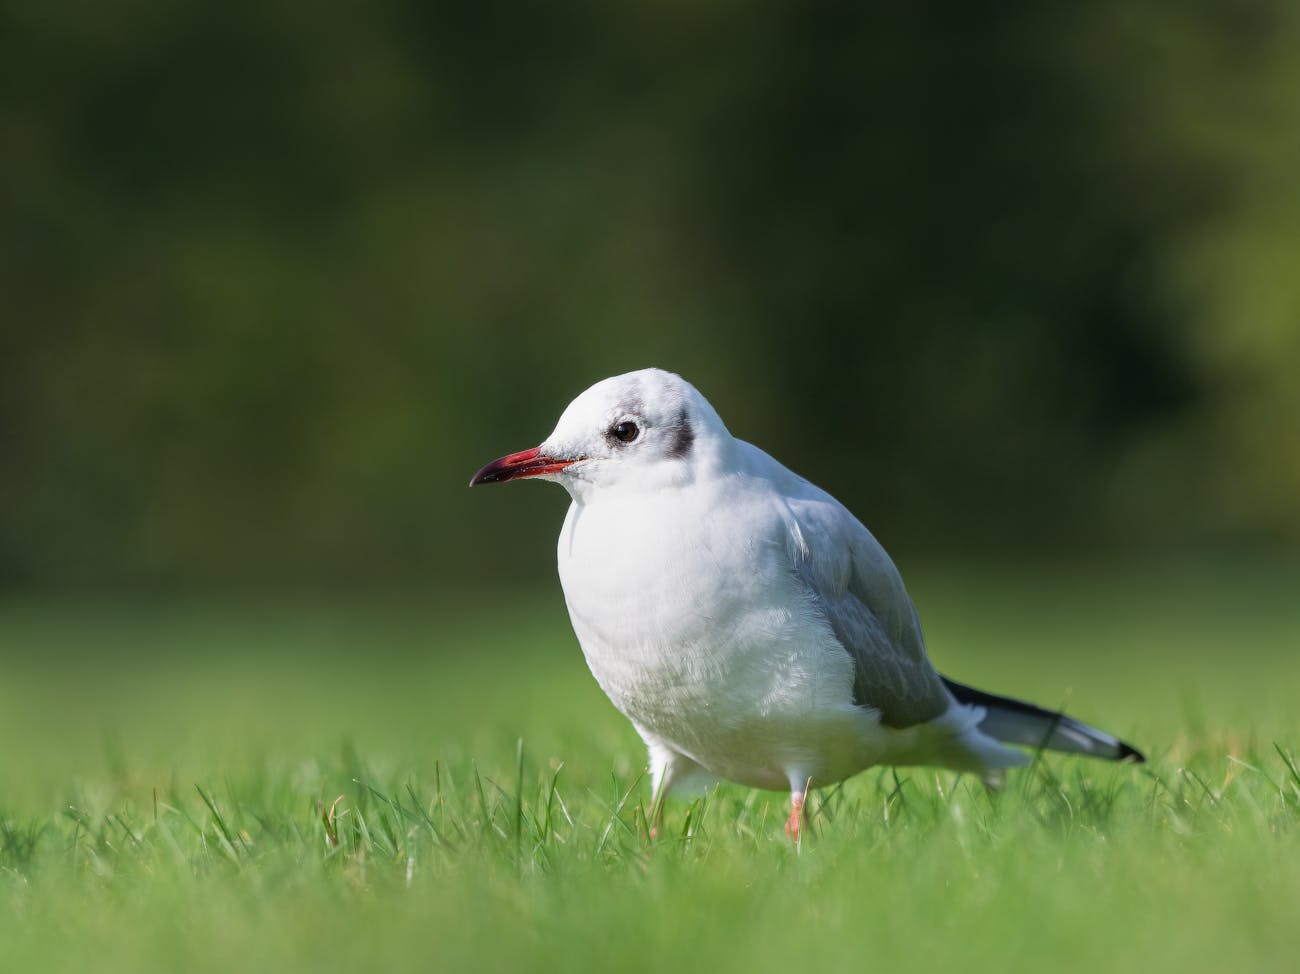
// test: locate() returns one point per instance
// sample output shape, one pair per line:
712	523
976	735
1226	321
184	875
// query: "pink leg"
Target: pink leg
794	824
797	824
657	817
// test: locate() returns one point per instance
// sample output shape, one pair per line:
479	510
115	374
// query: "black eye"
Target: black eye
624	432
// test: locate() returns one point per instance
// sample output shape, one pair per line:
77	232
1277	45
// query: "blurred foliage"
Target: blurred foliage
279	277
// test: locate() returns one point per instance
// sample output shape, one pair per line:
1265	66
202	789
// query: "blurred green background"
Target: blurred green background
1019	283
1011	282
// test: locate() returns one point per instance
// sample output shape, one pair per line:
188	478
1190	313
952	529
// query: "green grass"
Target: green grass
426	787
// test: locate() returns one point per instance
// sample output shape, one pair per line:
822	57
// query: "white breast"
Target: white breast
694	625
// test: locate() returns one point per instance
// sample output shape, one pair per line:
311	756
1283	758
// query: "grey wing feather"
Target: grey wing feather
861	594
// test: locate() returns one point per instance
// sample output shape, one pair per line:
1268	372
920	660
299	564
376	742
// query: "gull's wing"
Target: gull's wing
856	586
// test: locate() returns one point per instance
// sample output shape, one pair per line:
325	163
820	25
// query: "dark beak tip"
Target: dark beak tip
489	474
514	466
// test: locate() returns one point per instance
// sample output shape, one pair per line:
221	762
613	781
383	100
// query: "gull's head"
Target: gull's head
639	431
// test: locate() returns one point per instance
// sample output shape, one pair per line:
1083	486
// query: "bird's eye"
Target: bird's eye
625	432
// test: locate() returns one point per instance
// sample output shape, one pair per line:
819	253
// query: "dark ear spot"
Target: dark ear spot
683	437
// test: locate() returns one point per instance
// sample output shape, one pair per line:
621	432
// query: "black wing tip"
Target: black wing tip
1127	752
970	695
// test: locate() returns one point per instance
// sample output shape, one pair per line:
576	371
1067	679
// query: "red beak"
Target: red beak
528	463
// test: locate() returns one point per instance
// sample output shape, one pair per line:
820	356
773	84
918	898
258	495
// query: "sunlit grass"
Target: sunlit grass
408	787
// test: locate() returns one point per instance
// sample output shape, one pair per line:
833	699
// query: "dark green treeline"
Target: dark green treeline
278	277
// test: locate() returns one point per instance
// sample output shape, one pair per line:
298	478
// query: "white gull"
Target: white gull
744	620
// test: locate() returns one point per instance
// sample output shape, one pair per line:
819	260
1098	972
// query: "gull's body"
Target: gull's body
660	589
745	621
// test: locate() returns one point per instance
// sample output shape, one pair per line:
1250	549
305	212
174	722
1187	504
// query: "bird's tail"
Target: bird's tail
1016	722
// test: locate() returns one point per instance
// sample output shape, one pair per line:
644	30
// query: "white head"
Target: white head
643	430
